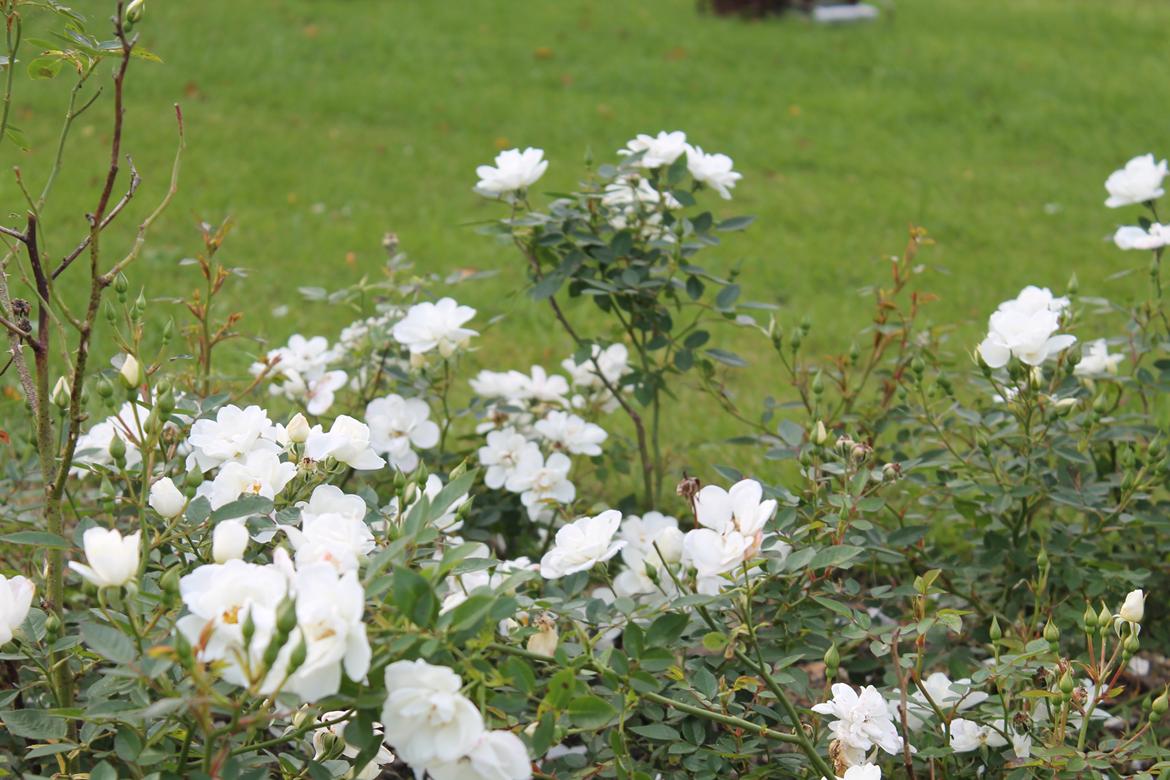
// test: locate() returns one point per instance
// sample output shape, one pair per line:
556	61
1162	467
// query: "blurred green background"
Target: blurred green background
319	126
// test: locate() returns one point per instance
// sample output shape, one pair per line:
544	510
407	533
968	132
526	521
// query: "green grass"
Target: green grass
319	126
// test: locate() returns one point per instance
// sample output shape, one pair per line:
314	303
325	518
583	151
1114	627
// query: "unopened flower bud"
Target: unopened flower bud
832	659
104	388
298	429
1131	645
286	616
995	633
1134	608
854	354
229	540
60	395
1159	706
168	331
183	649
1104	619
121	284
1066	685
819	434
297	658
131	372
117	448
166	499
918	366
1051	632
193	479
248	628
1073	285
1042	559
818	384
169	582
1090	619
166	402
805	325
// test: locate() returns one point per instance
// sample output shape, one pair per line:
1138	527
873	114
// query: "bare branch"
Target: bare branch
12	232
135	180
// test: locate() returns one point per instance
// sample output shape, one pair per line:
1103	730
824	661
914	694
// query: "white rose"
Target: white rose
112	559
425	717
15	599
166	499
229	540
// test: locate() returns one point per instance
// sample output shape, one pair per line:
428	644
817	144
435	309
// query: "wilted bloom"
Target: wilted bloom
428	326
862	721
425	717
166	499
348	442
514	171
544	641
1138	182
1132	237
229	540
1021	744
967	735
15	599
398	426
112	558
498	755
657	150
714	170
1097	360
582	544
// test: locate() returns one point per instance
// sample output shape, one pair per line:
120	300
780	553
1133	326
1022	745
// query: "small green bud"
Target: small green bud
1042	559
105	388
1073	285
805	324
194	478
421	475
832	658
248	629
854	354
286	616
818	384
166	402
52	626
918	366
945	385
1066	685
995	633
1132	644
1104	619
272	652
1155	448
1090	619
806	458
168	331
458	471
169	582
121	284
1051	633
117	449
795	339
183	649
1159	705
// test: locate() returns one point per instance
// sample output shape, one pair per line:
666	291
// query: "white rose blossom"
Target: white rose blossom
399	426
1155	236
1096	360
261	473
501	455
514	171
1026	328
112	558
435	326
348	442
540	481
232	435
582	544
967	735
862	721
714	170
732	530
1140	181
301	372
568	432
16	595
425	718
657	150
497	755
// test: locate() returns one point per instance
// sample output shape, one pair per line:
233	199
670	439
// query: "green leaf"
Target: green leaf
727	358
666	629
36	538
735	223
727	296
834	556
103	771
44	67
658	731
591	712
33	724
414	597
108	642
469	615
245	506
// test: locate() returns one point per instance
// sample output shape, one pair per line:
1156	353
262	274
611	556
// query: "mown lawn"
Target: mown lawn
320	126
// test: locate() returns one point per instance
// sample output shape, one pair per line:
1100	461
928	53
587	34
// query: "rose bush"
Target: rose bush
376	557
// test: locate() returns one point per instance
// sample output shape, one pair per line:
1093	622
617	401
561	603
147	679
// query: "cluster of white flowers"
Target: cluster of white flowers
300	372
653	542
862	722
1139	183
531	432
433	727
428	326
